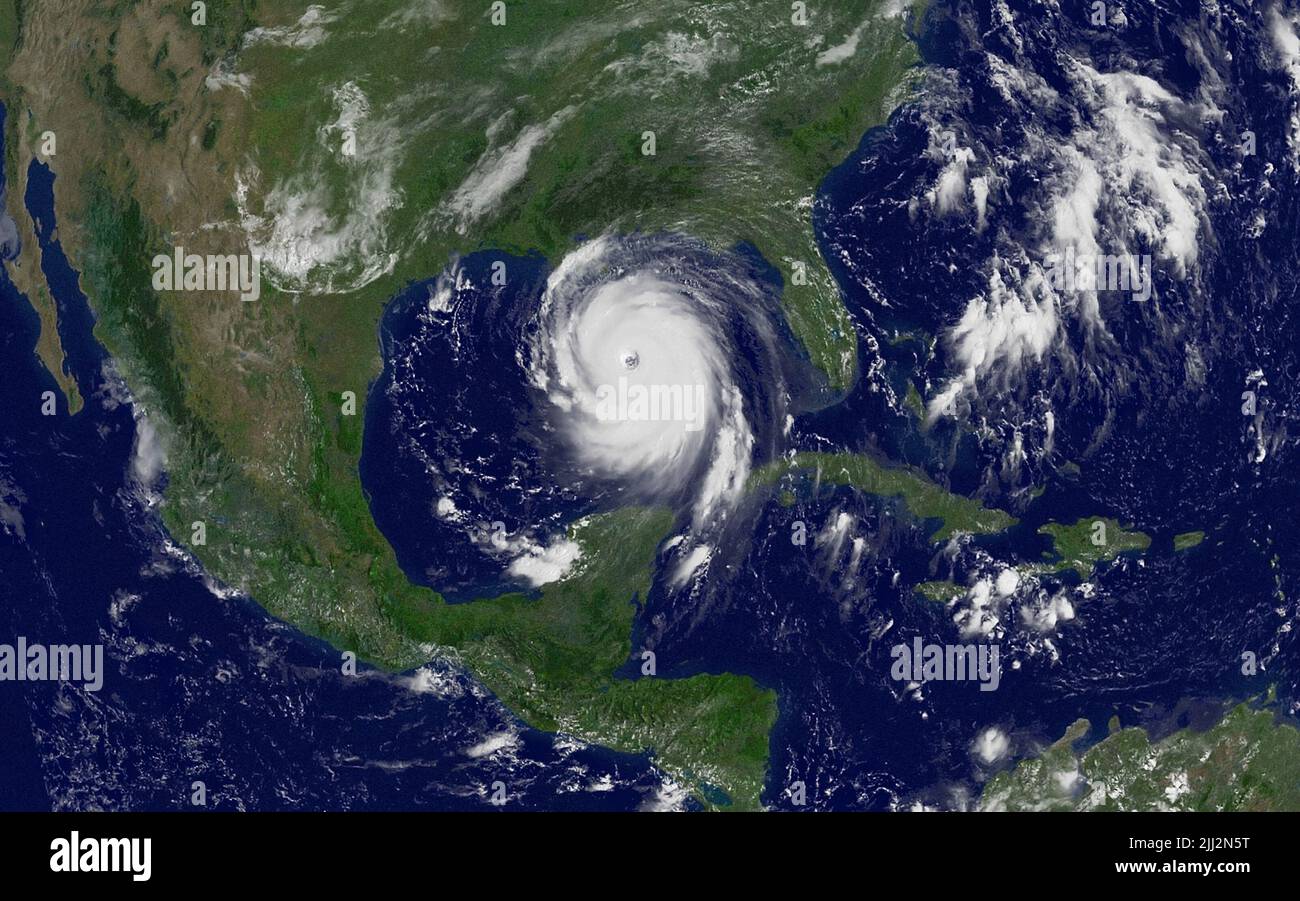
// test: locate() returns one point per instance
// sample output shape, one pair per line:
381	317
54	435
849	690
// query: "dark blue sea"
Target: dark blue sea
1131	411
201	685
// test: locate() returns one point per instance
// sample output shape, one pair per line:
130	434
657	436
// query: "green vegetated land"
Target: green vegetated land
463	135
553	660
940	592
1247	761
1083	544
923	498
1074	549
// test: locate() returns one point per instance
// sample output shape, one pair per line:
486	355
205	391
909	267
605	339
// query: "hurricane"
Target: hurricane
642	369
869	406
636	352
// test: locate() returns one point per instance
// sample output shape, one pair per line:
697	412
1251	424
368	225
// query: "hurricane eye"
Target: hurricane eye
630	359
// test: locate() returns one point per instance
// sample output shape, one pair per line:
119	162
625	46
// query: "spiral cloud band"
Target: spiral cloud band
516	401
637	353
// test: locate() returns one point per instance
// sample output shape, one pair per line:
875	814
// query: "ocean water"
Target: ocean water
200	684
1115	407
